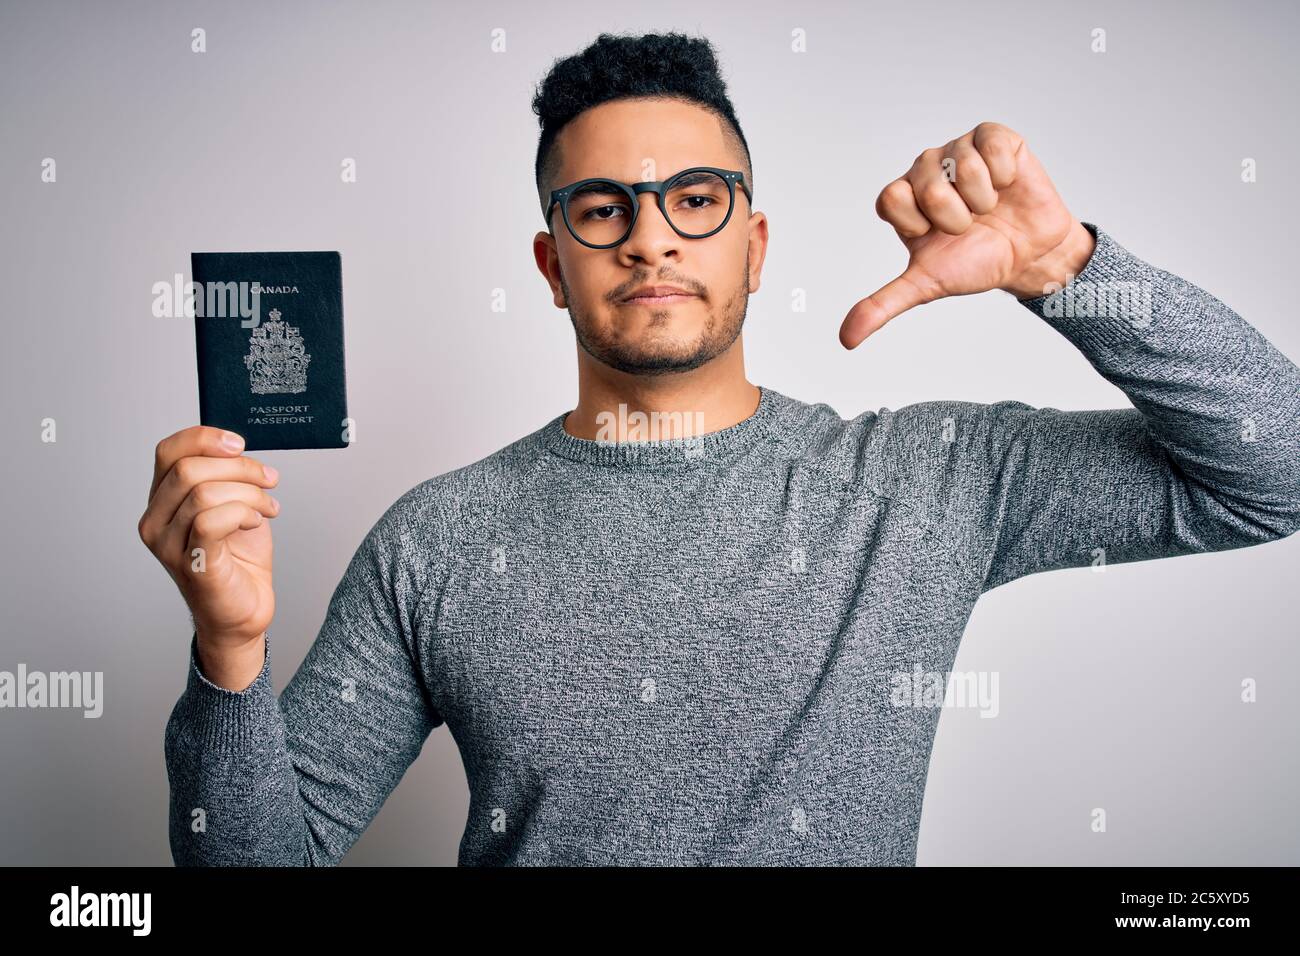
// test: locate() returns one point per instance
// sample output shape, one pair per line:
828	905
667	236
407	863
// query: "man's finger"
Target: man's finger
211	528
896	204
939	200
998	145
971	177
875	310
190	471
194	440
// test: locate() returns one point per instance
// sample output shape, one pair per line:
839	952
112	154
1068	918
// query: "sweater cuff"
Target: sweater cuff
224	719
1110	301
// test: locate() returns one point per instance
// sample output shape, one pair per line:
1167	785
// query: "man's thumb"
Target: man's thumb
878	308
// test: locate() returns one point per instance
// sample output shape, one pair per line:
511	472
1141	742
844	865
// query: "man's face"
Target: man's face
633	141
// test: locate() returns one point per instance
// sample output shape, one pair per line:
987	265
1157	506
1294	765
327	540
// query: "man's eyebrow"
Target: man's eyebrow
601	187
695	178
691	179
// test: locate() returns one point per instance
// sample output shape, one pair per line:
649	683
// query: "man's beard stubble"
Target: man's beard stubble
720	331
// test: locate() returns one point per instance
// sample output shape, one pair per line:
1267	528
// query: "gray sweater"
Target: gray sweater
714	651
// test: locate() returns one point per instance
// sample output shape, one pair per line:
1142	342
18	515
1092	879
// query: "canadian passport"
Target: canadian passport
268	329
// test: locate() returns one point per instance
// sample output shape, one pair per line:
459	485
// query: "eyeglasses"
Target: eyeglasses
697	202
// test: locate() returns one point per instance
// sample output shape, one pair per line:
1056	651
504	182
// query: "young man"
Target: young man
668	626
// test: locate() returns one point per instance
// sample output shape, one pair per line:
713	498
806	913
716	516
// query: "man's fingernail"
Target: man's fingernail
271	473
232	441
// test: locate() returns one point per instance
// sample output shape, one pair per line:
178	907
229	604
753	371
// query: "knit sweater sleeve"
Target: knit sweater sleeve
294	780
1207	459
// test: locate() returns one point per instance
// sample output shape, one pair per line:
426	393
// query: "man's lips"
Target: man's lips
658	295
659	299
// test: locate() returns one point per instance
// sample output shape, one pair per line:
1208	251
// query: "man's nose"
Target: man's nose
652	231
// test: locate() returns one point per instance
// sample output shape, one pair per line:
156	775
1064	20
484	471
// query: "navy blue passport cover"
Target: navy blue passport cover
276	377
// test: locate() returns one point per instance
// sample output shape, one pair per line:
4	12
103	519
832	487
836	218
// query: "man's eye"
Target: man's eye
603	213
707	201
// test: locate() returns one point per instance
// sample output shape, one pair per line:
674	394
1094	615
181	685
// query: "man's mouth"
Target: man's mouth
659	299
658	295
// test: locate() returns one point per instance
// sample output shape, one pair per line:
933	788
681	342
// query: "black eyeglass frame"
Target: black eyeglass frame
733	177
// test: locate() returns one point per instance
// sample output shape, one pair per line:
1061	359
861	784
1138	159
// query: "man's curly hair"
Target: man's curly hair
668	65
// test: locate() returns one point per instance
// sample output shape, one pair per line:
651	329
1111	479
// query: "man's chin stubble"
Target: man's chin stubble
636	361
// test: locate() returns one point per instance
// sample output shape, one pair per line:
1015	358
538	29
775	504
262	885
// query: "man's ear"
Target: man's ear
547	256
757	250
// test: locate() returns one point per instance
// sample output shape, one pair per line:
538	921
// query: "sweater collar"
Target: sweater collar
679	452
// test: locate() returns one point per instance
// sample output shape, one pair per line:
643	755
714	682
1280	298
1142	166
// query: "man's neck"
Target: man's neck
617	406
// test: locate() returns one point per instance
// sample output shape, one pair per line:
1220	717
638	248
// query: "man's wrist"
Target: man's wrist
1055	270
231	667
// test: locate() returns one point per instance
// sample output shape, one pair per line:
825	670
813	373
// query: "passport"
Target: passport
268	329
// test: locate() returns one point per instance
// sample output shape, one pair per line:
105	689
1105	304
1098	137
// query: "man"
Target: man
669	626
